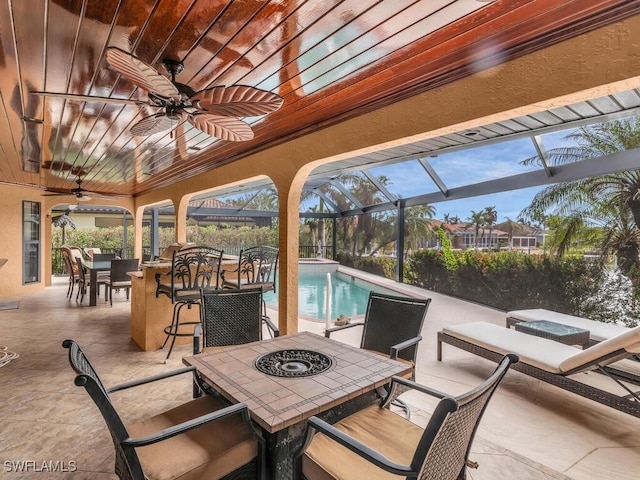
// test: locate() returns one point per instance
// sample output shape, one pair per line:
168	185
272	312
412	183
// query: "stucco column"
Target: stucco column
46	247
288	242
181	206
137	232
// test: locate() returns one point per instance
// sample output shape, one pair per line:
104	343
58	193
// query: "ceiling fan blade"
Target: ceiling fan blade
236	101
141	74
89	98
224	128
156	123
56	194
62	166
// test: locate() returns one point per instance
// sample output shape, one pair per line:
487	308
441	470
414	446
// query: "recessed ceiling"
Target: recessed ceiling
328	60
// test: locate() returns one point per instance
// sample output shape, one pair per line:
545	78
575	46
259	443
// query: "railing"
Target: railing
57	265
304	251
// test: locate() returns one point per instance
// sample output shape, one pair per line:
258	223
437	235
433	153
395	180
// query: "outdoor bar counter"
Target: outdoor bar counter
149	315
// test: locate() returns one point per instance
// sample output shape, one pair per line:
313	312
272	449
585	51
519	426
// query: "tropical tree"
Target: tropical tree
477	219
610	203
451	219
490	219
418	224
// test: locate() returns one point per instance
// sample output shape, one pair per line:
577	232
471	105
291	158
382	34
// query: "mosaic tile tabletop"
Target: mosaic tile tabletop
279	402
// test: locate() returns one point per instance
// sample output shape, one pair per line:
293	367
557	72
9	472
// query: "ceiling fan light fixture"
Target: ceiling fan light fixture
35	121
471	134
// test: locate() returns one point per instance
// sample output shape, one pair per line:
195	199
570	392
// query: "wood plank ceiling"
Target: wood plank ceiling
328	60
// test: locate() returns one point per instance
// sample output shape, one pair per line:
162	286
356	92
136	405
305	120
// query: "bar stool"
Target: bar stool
194	270
257	267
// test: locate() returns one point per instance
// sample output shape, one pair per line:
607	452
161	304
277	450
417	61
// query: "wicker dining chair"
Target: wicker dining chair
232	317
391	326
71	271
375	442
118	277
199	439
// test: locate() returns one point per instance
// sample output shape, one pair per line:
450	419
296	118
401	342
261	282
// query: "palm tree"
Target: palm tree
610	202
451	219
417	224
490	219
477	219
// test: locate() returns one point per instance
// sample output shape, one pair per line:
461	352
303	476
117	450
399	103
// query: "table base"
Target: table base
284	445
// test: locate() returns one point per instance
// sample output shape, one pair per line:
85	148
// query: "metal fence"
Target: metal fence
304	251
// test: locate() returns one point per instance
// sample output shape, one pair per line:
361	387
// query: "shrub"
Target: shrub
383	266
516	280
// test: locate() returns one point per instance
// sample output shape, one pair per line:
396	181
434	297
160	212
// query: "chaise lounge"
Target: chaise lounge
554	362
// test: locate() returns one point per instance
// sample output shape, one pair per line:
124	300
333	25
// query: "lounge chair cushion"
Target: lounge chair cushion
211	451
598	331
545	354
538	352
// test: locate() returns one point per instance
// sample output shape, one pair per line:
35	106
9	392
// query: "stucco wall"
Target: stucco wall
11	199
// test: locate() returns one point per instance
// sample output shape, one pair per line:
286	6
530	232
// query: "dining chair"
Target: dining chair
71	271
194	270
376	443
91	251
200	439
231	317
391	326
103	257
118	277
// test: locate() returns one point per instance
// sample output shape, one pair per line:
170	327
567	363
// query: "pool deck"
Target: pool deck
531	430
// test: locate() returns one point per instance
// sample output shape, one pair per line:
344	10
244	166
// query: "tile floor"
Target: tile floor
530	431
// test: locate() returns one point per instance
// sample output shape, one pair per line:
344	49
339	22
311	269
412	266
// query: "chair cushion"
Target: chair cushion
380	429
244	283
123	283
211	451
179	294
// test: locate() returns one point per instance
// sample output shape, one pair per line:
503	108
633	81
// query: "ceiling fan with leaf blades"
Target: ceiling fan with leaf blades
81	194
215	110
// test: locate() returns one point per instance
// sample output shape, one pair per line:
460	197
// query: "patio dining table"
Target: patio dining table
269	376
94	268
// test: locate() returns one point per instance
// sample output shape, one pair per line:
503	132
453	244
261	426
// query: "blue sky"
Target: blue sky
469	167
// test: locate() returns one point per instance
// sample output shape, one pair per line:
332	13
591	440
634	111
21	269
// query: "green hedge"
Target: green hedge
515	280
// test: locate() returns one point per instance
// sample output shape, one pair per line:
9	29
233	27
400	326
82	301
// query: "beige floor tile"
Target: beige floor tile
531	430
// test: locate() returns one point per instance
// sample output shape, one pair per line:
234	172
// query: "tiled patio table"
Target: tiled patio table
280	405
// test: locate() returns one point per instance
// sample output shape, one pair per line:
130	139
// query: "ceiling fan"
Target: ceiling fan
214	111
81	194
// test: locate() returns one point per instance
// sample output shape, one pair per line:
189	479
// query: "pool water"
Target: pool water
348	295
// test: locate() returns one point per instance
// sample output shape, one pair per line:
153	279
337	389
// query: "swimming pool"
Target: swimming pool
349	295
